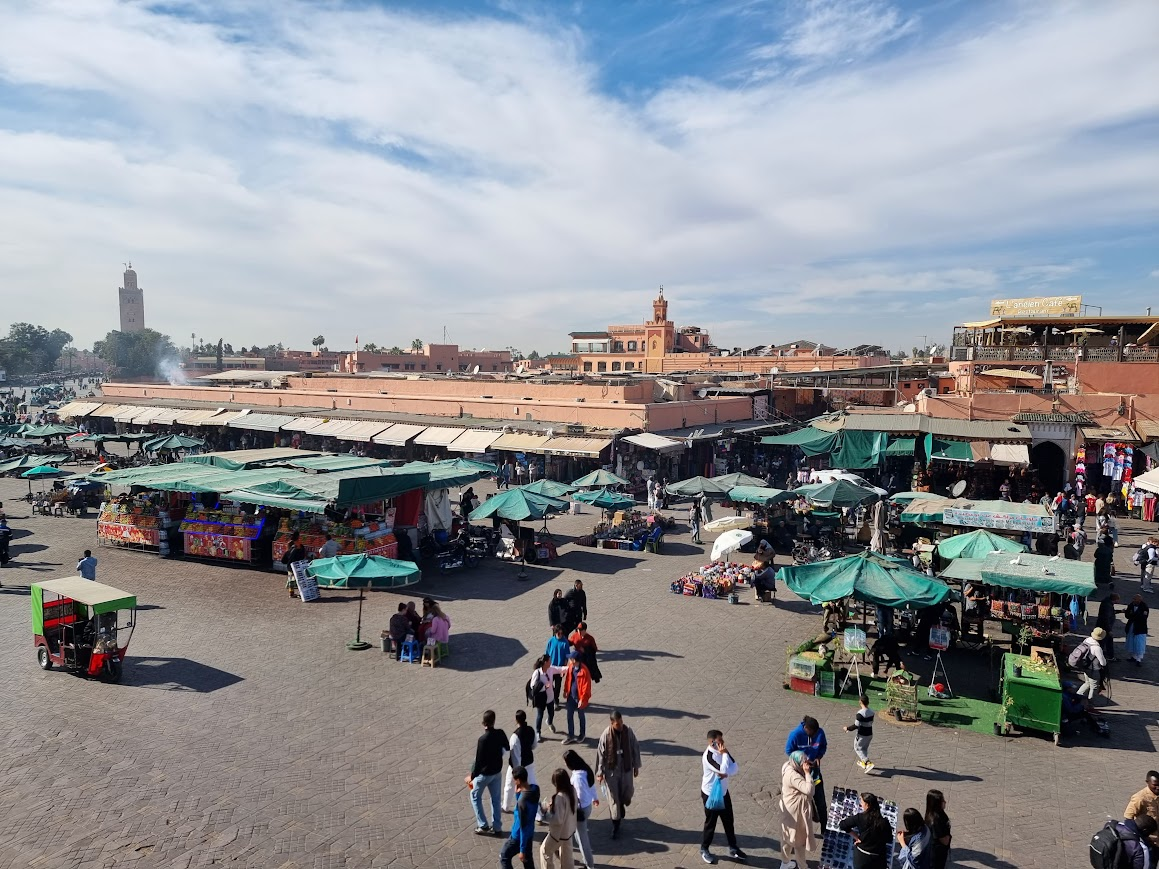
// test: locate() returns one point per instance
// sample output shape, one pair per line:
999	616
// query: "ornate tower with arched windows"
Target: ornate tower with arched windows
131	302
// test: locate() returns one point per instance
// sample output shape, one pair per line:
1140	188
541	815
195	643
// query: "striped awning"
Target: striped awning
202	417
398	435
106	411
474	440
75	409
332	428
438	436
362	431
303	423
520	442
268	422
126	412
145	415
587	447
167	415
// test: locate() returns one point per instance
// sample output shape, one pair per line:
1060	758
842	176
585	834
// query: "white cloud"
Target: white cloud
308	169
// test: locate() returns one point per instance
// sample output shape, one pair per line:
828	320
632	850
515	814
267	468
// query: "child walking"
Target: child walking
863	733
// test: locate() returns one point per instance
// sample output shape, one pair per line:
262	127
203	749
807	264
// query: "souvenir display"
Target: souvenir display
713	581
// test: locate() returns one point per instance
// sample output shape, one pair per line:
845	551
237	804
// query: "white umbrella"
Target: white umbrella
728	523
1084	330
729	542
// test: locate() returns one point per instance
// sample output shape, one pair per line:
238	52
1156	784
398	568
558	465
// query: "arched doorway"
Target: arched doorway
1049	461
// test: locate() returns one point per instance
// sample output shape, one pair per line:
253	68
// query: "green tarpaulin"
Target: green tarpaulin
795	438
731	481
264	499
606	500
839	493
951	451
910	497
517	505
867	577
859	449
759	495
926	509
828	442
977	544
334	463
900	447
364	571
1039	573
694	486
551	488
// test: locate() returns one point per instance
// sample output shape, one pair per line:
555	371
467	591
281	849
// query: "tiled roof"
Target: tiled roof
1076	418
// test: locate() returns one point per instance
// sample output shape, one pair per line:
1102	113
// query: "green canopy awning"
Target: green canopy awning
977	544
859	449
760	495
951	451
925	509
23	463
443	475
1039	573
795	438
900	447
910	497
606	500
827	443
867	577
599	478
364	571
839	493
517	505
551	488
278	493
696	486
172	442
335	463
43	472
52	430
731	481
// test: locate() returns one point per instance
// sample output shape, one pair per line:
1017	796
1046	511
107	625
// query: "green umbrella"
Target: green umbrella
977	544
52	430
363	572
599	478
43	472
760	495
468	465
550	488
606	499
731	481
839	493
867	577
696	486
517	505
172	442
23	463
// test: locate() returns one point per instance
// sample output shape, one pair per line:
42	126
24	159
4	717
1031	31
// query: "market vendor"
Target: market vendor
764	579
296	552
764	554
975	598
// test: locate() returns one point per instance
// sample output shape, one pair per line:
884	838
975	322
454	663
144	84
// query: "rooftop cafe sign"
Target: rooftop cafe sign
1046	306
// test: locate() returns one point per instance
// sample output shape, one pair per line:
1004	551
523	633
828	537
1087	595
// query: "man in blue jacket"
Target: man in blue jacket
522	824
810	738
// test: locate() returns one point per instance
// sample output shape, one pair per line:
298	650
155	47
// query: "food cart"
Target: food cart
227	534
354	537
1031	695
130	523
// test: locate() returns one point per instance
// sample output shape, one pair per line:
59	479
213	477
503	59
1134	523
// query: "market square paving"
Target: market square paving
244	734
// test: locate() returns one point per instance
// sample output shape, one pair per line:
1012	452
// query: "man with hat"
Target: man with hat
1089	659
577	692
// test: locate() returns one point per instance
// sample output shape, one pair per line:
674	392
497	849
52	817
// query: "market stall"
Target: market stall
354	537
713	581
130	523
837	845
1031	695
518	506
226	533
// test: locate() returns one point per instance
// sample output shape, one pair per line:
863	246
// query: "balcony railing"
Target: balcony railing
982	353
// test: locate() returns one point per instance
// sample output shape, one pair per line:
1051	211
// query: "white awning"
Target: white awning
200	417
106	410
1148	482
303	423
362	431
1010	454
586	447
77	408
167	415
398	435
520	442
332	428
650	441
268	422
145	415
126	412
474	440
438	436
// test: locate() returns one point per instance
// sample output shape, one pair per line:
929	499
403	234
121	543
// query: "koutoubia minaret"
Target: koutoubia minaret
131	302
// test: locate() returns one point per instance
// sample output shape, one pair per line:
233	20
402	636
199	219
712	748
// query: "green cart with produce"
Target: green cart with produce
1031	696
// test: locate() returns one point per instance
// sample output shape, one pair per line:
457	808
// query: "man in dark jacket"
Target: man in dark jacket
1137	852
486	775
577	606
1106	621
557	610
522	836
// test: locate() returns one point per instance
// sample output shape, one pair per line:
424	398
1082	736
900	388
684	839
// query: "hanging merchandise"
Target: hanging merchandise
1109	461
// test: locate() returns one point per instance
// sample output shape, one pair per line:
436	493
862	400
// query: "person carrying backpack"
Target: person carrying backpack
1146	559
1123	844
1088	658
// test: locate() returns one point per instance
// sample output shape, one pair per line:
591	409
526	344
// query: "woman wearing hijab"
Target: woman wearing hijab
797	812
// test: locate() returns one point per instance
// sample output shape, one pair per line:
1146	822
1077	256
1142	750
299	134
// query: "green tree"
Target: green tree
533	355
319	341
31	349
370	347
134	354
395	350
416	344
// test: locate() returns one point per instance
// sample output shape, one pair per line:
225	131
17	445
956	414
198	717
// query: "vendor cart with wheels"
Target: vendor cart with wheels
82	625
1031	696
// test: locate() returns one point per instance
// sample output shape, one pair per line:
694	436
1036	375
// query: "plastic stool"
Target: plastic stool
411	652
444	650
430	656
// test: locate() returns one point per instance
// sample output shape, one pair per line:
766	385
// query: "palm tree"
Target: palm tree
370	347
395	350
416	345
319	341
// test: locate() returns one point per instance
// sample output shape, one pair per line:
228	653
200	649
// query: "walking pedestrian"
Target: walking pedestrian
295	552
694	520
87	566
583	779
1136	615
810	738
862	729
798	808
5	542
1088	659
717	767
1106	621
542	692
558	651
577	691
939	823
521	754
560	813
1145	559
557	609
870	832
522	837
485	773
585	644
577	606
618	765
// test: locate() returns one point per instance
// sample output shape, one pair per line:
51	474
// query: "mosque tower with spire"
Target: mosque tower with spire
131	302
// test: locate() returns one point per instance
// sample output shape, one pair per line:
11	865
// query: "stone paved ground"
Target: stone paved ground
246	735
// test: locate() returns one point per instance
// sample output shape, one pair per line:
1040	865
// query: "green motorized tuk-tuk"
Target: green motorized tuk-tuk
82	625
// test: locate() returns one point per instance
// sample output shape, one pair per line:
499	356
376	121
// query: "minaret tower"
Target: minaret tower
132	302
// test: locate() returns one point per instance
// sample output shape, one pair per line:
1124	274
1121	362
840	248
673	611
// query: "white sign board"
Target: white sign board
1035	523
307	585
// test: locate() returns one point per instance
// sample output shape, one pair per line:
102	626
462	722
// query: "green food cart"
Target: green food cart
1031	696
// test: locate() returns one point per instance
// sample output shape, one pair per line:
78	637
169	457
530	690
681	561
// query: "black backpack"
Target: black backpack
1107	851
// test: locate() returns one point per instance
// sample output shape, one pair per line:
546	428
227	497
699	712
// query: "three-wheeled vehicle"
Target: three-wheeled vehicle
82	625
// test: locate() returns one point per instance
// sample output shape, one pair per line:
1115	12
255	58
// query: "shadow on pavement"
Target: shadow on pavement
176	674
967	857
647	712
15	590
601	561
608	655
924	773
666	748
639	836
18	549
472	651
36	566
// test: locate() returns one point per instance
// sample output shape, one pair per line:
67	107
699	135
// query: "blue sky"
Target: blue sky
854	171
